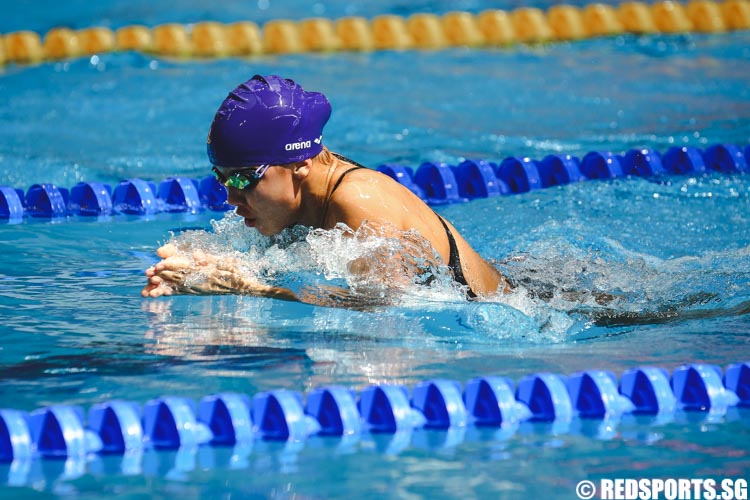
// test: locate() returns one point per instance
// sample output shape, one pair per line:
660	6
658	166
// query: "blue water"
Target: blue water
76	331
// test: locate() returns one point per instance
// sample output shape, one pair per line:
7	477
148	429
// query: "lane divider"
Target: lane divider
435	183
593	399
385	32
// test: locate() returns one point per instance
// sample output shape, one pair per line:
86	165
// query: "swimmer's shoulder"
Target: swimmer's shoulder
364	195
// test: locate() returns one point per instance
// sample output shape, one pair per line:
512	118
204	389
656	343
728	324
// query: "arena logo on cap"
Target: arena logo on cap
298	145
292	146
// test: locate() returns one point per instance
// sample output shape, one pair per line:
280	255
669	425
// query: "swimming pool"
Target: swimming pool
76	331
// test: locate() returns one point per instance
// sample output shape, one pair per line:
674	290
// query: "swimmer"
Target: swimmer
265	145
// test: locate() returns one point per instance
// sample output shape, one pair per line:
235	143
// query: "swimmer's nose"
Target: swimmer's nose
234	197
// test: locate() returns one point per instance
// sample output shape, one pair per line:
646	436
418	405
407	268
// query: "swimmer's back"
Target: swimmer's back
368	195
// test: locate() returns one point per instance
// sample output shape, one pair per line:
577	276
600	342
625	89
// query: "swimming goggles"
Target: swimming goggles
245	178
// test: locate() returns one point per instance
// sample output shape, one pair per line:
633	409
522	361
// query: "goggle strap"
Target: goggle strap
262	170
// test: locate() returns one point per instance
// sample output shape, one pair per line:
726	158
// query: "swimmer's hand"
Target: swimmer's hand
171	277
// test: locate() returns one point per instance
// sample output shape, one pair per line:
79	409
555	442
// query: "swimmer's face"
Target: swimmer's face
268	206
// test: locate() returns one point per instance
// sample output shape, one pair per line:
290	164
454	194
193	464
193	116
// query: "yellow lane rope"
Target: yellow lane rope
386	32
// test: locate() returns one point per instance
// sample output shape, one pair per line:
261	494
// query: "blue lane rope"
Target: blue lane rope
435	183
122	428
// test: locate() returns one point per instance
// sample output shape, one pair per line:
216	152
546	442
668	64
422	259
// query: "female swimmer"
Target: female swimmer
265	144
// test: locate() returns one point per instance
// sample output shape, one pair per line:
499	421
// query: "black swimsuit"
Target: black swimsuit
454	262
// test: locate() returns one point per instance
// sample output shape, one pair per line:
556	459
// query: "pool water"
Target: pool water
76	331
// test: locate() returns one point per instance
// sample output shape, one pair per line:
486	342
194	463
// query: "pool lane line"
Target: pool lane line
434	182
422	31
435	414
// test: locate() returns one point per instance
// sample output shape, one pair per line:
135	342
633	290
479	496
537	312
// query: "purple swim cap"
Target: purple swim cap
267	120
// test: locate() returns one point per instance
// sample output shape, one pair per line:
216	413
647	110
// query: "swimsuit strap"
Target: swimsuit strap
454	261
347	160
338	181
336	186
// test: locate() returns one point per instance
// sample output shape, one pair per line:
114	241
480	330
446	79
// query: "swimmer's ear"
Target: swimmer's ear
301	169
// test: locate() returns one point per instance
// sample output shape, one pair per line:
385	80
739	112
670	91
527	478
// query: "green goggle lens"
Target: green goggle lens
241	179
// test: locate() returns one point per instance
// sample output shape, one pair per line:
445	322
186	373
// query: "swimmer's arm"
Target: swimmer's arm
164	281
172	276
167	279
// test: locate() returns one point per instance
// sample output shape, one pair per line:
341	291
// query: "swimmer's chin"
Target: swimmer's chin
263	229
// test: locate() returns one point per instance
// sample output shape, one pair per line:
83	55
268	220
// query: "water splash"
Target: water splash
366	270
564	284
379	264
613	285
